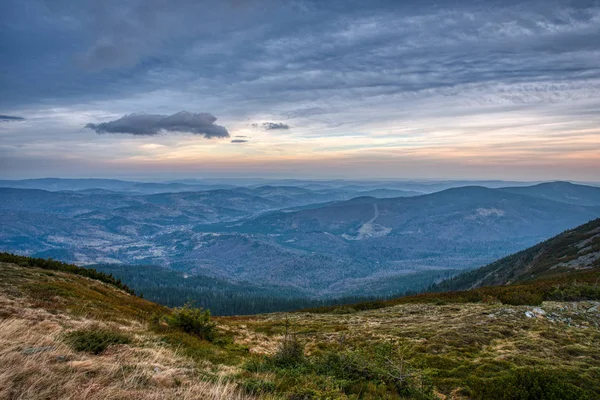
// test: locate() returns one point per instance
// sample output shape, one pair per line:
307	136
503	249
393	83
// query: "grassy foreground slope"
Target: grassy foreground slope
46	316
69	336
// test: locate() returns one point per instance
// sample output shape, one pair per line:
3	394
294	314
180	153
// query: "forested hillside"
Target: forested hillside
174	289
574	250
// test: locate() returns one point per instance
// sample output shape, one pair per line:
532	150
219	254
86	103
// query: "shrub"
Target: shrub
528	384
95	340
290	352
519	296
574	291
384	364
379	371
195	321
489	299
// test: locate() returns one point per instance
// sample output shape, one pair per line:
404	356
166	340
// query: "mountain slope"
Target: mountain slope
563	192
49	321
415	348
465	214
574	250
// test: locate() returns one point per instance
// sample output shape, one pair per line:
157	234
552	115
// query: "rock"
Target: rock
593	309
539	311
529	314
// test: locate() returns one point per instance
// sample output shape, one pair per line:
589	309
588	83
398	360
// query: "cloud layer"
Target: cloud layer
411	88
154	124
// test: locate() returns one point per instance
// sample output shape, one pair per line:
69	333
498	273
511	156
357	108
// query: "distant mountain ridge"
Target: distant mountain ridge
338	185
574	250
312	241
466	213
563	192
56	184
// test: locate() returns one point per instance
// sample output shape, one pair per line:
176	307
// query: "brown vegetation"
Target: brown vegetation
424	347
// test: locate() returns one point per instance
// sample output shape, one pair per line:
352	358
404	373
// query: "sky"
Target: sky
301	89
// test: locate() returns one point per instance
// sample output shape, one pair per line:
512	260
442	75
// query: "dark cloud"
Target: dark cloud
125	32
296	51
153	124
271	126
239	141
9	118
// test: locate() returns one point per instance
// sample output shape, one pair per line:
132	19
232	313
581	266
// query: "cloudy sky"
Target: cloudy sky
294	88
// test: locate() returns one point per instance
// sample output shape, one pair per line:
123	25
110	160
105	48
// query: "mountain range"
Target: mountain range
314	242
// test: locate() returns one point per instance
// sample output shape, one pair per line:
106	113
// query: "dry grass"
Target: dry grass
452	343
459	347
39	365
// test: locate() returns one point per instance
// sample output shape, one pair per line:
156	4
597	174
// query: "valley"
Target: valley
314	243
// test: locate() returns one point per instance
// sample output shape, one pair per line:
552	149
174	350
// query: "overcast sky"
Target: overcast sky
292	88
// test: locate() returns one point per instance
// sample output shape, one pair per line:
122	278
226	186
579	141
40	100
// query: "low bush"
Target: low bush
527	384
384	364
290	352
381	371
95	340
575	291
195	321
521	297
